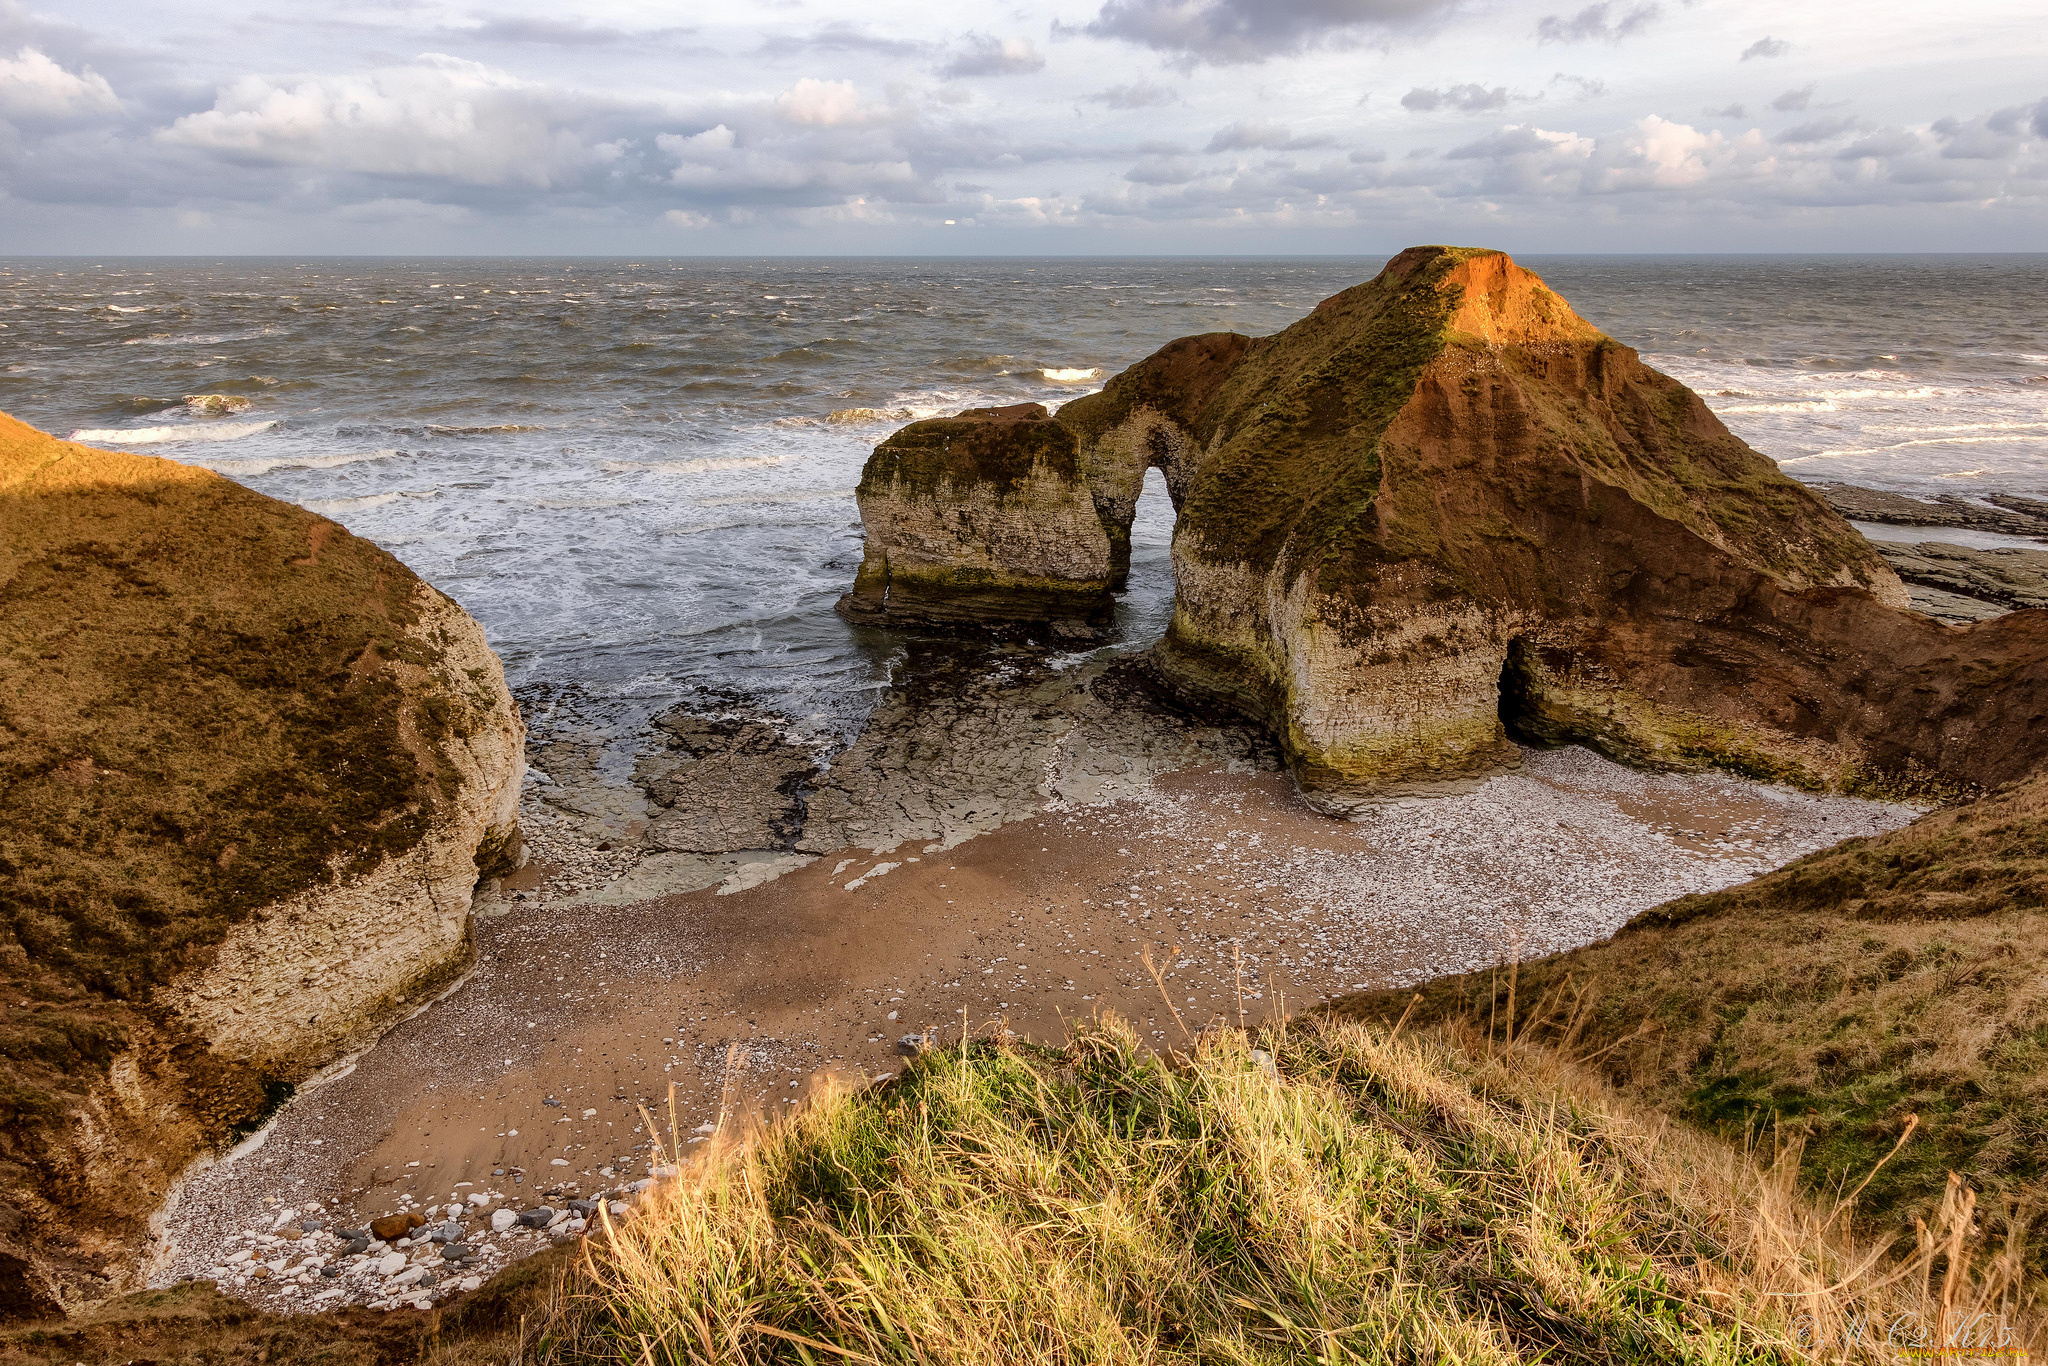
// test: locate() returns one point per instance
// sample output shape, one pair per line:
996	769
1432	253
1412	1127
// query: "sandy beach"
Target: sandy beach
521	1088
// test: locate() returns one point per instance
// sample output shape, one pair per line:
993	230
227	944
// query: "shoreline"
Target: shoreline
522	1087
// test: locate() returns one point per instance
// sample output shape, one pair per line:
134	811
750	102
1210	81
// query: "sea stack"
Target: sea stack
251	772
1443	512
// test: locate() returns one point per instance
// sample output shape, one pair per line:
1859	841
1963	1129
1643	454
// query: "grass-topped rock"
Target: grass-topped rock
251	768
1442	513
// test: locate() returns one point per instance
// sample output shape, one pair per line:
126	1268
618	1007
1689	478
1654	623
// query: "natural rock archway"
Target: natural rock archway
1438	480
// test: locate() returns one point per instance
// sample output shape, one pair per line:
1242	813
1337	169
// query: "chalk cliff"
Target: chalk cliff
251	771
1442	509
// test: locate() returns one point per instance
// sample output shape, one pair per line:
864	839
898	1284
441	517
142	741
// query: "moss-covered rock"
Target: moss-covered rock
251	768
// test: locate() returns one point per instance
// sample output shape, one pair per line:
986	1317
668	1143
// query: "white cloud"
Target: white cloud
439	117
1601	21
984	56
1468	98
32	86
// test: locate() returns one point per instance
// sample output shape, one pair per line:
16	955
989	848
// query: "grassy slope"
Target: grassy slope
1358	1195
1372	1198
1897	975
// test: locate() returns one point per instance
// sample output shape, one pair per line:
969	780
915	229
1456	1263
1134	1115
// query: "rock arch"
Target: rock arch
1438	479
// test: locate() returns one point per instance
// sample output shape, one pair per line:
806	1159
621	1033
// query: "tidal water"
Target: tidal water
639	474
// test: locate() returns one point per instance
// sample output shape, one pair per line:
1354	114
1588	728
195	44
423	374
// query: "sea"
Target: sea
639	474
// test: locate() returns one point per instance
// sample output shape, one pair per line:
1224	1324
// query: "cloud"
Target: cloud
544	32
1766	47
1793	100
1727	111
1598	21
840	37
1468	99
1818	130
1164	171
1246	137
1224	32
437	116
33	87
1137	95
984	56
1589	87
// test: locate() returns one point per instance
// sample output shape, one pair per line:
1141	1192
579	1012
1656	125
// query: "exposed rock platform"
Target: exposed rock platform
1443	510
251	770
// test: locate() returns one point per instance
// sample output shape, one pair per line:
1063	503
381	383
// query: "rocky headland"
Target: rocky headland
1440	513
251	771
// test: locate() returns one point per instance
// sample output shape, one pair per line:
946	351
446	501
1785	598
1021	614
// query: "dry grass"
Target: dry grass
1362	1195
1901	975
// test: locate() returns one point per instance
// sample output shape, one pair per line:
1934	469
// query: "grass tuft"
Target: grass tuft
1335	1192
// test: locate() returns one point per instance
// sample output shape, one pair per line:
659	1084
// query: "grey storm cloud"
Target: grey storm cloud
1766	47
1817	130
1603	21
1137	95
1223	32
840	38
1469	98
1271	137
980	55
1793	101
1727	111
557	32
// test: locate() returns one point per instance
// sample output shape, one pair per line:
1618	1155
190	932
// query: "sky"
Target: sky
760	127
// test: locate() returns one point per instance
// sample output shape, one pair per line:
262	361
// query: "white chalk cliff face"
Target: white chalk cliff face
304	979
252	770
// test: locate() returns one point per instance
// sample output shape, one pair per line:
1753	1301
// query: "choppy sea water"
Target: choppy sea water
639	475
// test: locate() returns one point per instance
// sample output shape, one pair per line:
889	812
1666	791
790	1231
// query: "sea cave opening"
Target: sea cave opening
1145	604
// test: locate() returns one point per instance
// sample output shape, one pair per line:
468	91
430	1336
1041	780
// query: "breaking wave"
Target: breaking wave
150	436
290	462
1072	376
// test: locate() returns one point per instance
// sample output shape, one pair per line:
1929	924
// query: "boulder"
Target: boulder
253	770
1443	514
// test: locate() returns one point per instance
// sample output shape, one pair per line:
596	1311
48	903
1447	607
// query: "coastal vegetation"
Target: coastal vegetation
1328	1191
1891	983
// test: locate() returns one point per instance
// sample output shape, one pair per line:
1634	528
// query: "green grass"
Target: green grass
1356	1196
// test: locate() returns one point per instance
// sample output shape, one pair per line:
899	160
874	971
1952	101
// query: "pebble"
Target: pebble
536	1218
391	1263
502	1219
455	1252
445	1233
395	1226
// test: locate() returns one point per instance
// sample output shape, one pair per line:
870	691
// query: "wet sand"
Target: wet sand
523	1085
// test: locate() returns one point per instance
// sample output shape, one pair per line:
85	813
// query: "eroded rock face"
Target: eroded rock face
1443	506
251	769
981	519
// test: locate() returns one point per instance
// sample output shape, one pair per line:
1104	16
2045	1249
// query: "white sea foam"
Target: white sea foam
288	462
151	436
741	499
329	507
706	465
1904	445
1071	376
1794	406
